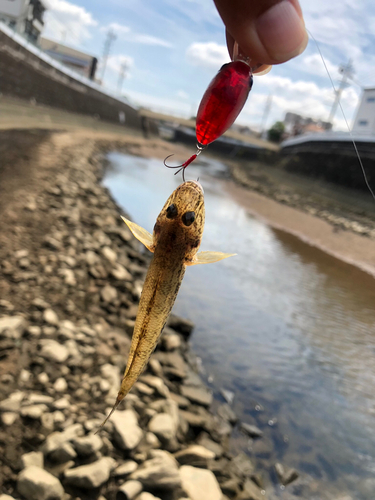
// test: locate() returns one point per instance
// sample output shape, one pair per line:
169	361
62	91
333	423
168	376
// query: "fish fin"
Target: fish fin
141	234
209	258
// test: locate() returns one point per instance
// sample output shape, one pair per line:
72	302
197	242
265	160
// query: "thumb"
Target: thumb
267	31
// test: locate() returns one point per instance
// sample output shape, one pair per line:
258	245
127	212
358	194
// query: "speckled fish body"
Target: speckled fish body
175	241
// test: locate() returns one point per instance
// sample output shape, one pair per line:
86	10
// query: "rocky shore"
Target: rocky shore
71	275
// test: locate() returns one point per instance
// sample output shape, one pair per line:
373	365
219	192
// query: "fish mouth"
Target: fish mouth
197	185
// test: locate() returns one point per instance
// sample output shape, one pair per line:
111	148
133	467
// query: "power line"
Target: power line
111	37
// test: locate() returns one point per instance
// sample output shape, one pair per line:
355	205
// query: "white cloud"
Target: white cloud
182	94
125	33
68	22
209	55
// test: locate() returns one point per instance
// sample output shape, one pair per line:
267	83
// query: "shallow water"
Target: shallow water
287	328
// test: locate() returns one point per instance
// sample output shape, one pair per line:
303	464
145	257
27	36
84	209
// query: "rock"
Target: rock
13	403
163	426
63	453
9	417
160	471
120	273
61	404
230	487
6	497
199	483
109	254
227	414
39	399
87	445
12	326
33	411
50	317
198	395
126	468
227	395
250	492
34	483
181	325
58	469
156	383
32	458
34	331
180	400
211	445
43	378
56	439
193	419
286	475
252	430
91	475
152	440
127	434
171	341
195	455
241	465
144	388
53	351
145	495
155	367
129	490
108	294
60	385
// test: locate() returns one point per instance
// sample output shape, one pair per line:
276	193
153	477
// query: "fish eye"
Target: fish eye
171	211
188	218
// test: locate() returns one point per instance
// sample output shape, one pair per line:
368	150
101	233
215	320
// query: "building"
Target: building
24	16
83	63
364	122
297	125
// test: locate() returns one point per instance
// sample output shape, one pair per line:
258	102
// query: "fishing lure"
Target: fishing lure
222	102
175	241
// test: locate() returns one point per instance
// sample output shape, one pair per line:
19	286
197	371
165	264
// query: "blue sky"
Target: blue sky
173	49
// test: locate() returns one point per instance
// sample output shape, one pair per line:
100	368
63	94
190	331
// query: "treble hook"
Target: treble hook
187	162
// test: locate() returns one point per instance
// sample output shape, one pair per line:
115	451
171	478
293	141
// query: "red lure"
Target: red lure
221	104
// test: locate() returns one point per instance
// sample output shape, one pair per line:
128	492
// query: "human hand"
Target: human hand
267	31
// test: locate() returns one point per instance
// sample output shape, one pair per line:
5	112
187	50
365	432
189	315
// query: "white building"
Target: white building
24	16
364	122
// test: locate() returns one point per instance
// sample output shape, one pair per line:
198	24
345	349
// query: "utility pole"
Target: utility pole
347	72
111	37
266	112
121	77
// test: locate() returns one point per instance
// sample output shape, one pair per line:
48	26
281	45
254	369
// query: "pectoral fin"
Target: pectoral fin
141	234
209	257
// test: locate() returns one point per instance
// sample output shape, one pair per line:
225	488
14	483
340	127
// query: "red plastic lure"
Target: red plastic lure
221	104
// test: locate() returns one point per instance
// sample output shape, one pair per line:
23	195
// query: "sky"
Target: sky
173	48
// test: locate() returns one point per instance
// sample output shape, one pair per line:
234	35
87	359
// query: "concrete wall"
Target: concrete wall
364	122
25	75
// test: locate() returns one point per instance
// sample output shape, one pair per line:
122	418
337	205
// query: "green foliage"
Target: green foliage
275	133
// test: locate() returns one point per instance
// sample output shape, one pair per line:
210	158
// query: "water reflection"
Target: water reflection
281	324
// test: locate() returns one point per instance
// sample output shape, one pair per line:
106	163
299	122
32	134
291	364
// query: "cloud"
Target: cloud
208	55
68	22
125	33
182	94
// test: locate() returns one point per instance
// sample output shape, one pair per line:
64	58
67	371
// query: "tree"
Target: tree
275	133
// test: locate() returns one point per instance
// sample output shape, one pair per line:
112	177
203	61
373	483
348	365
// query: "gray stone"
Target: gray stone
34	331
63	453
13	403
286	475
211	445
120	273
12	326
33	411
60	385
152	440
199	483
109	254
91	475
156	383
52	350
34	483
87	445
252	430
241	465
171	341
129	490
50	317
6	497
198	395
9	417
126	468
32	458
160	471
58	469
144	388
163	426
108	294
145	495
250	492
226	413
181	325
227	395
126	431
195	455
39	399
181	401
56	439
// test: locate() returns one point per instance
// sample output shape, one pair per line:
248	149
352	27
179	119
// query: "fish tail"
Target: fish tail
118	401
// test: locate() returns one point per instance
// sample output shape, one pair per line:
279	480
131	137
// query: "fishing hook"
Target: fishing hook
182	167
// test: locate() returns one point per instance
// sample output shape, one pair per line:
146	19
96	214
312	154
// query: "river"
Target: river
287	328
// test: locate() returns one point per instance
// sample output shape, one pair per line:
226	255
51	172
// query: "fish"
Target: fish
175	242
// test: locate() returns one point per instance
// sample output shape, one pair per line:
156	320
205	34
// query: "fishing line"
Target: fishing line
343	114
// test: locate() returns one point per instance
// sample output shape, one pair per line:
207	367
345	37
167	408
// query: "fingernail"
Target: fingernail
282	31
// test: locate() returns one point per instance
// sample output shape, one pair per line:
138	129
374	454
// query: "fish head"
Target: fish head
180	224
